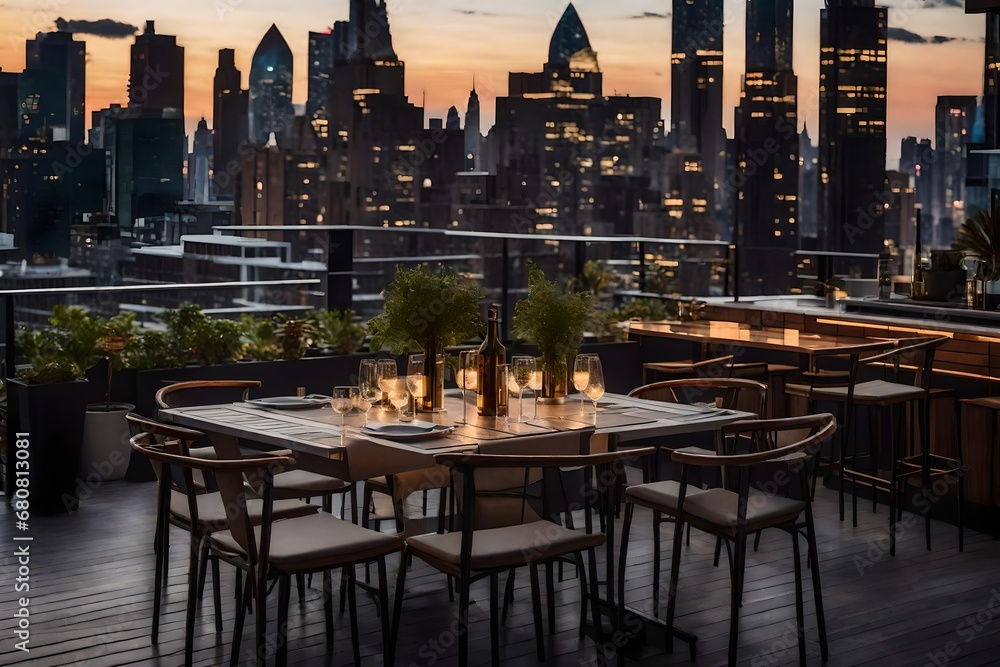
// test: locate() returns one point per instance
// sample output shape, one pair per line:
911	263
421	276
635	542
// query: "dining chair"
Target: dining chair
507	524
717	368
273	549
889	391
290	484
183	503
734	511
733	394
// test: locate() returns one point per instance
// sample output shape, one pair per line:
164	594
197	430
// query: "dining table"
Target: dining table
324	442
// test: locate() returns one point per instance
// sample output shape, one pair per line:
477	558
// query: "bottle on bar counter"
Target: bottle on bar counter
491	354
978	298
917	286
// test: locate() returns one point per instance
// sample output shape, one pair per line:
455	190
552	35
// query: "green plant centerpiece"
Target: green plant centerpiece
427	311
555	320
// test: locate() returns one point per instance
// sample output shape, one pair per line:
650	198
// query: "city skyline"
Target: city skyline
442	43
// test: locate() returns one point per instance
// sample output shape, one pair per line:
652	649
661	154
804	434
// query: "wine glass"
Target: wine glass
399	396
505	387
415	385
341	404
595	385
581	375
468	375
415	368
536	387
368	376
386	373
524	374
360	401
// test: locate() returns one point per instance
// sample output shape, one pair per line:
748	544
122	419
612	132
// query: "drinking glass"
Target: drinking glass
524	374
581	375
399	395
415	385
595	385
341	404
536	386
360	401
468	375
386	373
415	368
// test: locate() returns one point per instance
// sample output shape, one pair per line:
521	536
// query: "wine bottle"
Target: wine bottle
979	288
917	285
491	354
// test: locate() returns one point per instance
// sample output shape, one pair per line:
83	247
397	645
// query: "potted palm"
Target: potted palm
427	311
555	321
979	238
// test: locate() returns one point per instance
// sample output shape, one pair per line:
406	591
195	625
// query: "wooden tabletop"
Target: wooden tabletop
315	434
731	333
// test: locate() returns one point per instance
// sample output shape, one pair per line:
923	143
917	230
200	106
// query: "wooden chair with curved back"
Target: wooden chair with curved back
289	484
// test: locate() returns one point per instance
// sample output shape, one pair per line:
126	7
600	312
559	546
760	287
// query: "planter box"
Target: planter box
52	416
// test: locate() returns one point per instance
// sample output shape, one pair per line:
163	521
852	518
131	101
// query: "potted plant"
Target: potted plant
945	280
337	332
50	398
979	238
555	321
427	311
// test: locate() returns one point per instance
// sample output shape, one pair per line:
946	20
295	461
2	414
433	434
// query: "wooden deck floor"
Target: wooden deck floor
91	599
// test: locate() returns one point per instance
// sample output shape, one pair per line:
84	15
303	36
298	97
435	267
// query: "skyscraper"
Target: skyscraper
454	121
9	111
767	142
52	87
368	36
156	75
322	50
229	121
954	118
271	108
696	103
473	133
199	165
852	117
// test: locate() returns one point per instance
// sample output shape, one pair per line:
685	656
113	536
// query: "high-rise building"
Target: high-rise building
917	158
767	174
852	119
979	194
808	184
156	75
473	133
271	110
200	165
229	125
954	118
52	87
148	167
369	37
322	53
10	110
43	198
696	103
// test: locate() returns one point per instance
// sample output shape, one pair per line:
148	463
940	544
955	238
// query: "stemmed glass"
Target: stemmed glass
595	385
415	378
341	404
386	373
468	375
581	375
368	383
361	402
399	396
536	388
524	374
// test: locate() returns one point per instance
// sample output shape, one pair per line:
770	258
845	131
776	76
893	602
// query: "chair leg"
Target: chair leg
352	602
397	606
328	603
463	620
817	587
217	594
675	567
202	566
595	595
657	553
800	616
260	614
495	619
284	597
622	558
736	598
243	595
508	594
550	596
158	586
925	447
383	603
536	610
191	601
583	593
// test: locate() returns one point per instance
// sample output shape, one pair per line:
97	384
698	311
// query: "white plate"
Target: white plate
406	431
289	402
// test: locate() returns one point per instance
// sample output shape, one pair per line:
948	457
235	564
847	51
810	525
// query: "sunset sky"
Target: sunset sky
445	42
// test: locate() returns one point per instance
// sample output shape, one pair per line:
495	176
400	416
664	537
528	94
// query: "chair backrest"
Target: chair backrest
736	393
917	353
768	435
204	392
469	468
503	494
